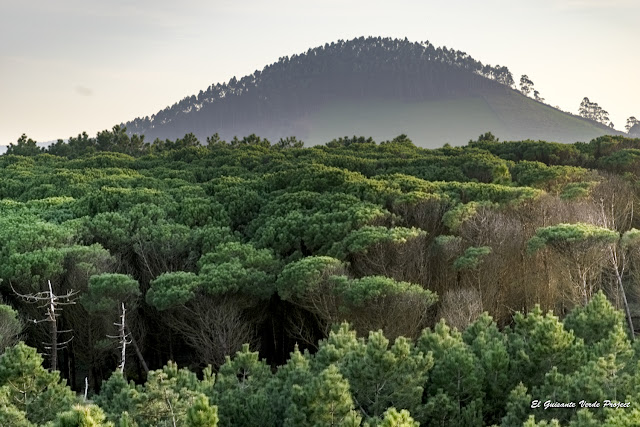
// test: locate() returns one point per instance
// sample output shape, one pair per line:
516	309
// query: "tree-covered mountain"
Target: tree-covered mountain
375	86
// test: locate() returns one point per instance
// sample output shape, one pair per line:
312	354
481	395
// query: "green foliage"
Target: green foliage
201	414
166	397
206	239
394	418
117	397
531	422
576	190
31	251
626	160
108	290
322	178
242	391
626	418
307	274
127	421
238	267
111	229
490	346
518	407
549	153
288	143
381	376
598	380
471	258
305	223
484	167
24	147
455	383
201	211
10	415
539	175
239	197
357	292
539	342
341	340
38	393
454	218
10	326
209	235
114	199
630	238
326	400
173	289
368	236
561	236
291	379
595	321
82	416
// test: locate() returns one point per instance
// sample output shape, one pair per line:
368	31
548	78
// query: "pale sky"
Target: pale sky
68	66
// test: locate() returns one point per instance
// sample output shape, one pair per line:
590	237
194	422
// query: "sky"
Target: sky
68	66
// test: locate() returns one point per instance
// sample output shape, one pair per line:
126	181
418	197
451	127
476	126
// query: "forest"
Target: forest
360	282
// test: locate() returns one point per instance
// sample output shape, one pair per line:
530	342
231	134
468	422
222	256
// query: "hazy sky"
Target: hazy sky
68	66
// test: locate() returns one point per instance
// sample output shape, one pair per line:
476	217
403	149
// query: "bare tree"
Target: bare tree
53	304
616	200
123	338
214	326
460	307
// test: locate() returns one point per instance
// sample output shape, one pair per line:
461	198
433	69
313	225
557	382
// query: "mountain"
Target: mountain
374	86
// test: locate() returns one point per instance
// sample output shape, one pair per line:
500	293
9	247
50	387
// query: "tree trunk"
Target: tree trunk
623	293
54	329
123	340
134	343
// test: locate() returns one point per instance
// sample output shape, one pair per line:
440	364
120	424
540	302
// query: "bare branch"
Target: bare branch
52	303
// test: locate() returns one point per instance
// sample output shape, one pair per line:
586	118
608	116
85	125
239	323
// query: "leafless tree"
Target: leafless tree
460	307
616	200
214	326
403	261
123	338
53	304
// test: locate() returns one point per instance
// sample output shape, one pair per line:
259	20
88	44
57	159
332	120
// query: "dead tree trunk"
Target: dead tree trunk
139	354
51	317
123	340
53	304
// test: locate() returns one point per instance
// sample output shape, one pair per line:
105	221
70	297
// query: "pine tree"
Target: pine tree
243	391
539	342
82	416
117	397
489	345
381	376
31	388
201	414
518	406
455	382
329	402
393	418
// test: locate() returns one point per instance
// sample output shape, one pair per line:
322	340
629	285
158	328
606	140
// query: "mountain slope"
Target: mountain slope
374	87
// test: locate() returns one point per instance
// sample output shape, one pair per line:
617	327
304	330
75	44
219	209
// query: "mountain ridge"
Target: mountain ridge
370	86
